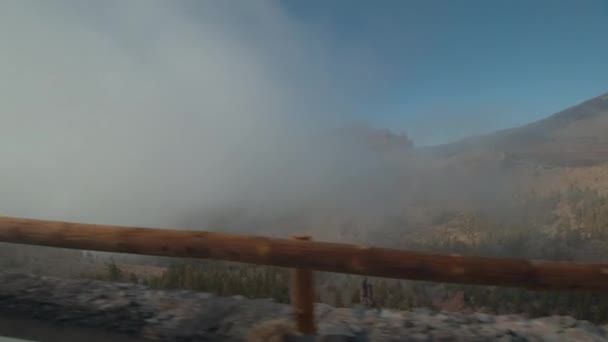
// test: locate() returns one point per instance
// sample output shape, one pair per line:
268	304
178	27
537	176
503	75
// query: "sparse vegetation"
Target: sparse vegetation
469	233
114	272
571	225
226	279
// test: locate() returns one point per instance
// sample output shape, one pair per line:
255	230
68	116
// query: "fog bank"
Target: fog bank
133	112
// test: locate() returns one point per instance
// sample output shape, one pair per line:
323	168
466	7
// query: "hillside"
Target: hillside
414	191
573	137
514	193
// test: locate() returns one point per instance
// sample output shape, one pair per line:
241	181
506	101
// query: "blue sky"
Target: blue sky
441	70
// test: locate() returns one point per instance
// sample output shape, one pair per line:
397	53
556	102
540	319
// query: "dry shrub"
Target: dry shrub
271	331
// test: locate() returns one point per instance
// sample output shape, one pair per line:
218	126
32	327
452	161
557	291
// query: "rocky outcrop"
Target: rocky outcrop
190	316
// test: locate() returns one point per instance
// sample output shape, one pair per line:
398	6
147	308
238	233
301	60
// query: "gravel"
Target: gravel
184	316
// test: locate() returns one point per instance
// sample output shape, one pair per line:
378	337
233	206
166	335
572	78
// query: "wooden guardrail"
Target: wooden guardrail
308	255
319	256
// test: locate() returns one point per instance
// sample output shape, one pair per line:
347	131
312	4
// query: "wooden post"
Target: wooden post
302	296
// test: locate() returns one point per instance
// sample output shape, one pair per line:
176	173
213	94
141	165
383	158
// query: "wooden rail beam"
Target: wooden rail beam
320	256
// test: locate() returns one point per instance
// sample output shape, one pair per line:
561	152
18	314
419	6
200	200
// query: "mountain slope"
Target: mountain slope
576	136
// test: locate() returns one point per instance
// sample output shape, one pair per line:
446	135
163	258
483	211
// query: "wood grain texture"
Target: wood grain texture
320	256
302	296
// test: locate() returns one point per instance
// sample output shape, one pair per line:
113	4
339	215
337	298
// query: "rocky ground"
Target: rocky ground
183	316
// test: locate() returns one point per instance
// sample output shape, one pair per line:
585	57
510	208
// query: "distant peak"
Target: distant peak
573	136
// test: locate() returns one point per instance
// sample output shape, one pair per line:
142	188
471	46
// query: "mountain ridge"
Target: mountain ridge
575	136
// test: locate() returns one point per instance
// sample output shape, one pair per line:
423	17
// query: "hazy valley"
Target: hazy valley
538	191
